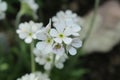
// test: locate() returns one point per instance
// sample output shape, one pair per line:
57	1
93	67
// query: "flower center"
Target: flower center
30	34
48	59
61	35
58	46
48	40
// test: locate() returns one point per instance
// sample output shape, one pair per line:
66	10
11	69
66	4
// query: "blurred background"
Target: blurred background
99	58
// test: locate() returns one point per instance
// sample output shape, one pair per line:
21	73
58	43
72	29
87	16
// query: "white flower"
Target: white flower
76	43
3	8
61	34
58	49
47	59
35	76
27	31
65	17
43	59
31	4
45	45
46	42
59	61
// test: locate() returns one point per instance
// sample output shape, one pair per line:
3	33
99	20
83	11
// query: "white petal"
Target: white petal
58	40
59	65
54	19
48	25
60	27
67	31
67	40
18	31
28	40
77	43
47	66
41	35
60	14
68	12
76	28
22	35
72	51
53	32
3	6
75	34
41	45
34	36
48	49
40	61
69	21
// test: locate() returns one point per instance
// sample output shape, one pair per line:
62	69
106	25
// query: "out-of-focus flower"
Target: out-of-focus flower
66	17
29	7
31	4
3	8
35	76
76	43
106	30
27	31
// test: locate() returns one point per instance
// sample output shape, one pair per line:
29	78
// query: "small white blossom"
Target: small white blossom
31	4
43	59
46	42
59	61
27	31
35	76
76	43
58	49
61	34
3	8
47	59
66	17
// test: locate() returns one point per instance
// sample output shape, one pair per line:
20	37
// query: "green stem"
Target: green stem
74	60
32	58
92	21
18	18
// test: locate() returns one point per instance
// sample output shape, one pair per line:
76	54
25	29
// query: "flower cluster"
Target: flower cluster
54	41
35	76
58	41
3	8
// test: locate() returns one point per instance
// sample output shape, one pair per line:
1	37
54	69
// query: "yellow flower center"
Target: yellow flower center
48	40
48	59
30	34
61	35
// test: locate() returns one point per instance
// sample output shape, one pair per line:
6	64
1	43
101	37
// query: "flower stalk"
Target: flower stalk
92	21
32	57
18	18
